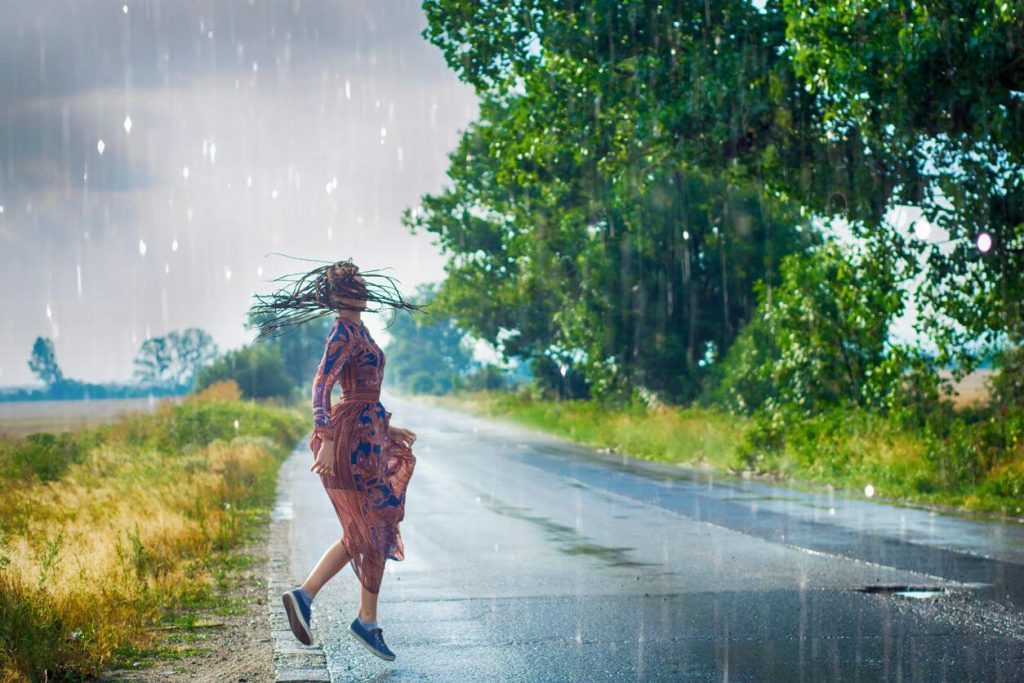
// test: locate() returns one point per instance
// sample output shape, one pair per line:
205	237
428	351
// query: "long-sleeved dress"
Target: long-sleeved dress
371	472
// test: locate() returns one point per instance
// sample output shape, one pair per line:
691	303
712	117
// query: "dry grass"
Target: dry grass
92	560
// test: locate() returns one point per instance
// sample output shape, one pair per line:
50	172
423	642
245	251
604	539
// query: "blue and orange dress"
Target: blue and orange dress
371	472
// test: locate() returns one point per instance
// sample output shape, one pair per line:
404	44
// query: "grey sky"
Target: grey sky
255	126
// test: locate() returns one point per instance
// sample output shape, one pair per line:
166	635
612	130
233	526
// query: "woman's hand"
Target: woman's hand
324	463
403	437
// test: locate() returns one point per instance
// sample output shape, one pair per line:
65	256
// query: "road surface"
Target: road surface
530	558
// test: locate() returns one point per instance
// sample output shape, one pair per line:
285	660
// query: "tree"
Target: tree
172	361
933	88
427	355
43	362
301	347
258	370
580	222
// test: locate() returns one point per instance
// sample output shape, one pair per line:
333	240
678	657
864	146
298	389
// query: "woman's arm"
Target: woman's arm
338	350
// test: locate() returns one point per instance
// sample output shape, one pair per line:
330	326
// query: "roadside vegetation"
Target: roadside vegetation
114	534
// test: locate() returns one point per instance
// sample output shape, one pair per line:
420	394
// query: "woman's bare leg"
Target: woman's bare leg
367	605
333	560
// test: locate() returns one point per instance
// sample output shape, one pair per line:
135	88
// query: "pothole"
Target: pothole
908	592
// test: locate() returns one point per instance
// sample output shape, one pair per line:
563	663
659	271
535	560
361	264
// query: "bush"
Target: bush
258	370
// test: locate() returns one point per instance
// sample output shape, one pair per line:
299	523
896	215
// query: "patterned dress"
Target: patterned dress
371	472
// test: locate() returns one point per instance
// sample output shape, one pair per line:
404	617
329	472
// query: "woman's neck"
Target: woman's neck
353	316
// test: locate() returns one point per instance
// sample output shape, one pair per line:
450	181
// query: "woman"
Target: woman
363	461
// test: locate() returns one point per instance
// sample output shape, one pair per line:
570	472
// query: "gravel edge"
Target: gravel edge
293	661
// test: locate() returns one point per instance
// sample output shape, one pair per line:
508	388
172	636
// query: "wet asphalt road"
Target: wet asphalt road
529	558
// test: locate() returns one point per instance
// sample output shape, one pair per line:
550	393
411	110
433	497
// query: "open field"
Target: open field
24	417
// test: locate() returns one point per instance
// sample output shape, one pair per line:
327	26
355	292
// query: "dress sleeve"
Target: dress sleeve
339	348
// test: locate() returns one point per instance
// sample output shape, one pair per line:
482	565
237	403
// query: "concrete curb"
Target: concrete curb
293	661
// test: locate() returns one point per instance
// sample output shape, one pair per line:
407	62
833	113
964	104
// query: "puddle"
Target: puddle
908	592
570	541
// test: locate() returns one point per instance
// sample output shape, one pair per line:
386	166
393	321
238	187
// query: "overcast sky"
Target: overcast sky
152	154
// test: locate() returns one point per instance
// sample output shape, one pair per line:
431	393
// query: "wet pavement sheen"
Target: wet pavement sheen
530	558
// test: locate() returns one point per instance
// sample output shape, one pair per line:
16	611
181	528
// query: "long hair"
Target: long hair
318	292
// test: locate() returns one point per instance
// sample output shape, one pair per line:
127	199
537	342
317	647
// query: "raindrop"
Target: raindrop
184	173
1	208
686	234
124	8
167	268
128	124
174	245
78	274
869	491
227	273
49	311
984	242
259	271
400	156
329	188
248	181
213	153
142	248
236	425
273	194
383	134
348	90
100	146
255	67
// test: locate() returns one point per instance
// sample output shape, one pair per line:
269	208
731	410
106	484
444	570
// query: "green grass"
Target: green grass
965	465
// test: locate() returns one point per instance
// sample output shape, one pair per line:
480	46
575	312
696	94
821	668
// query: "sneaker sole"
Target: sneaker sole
369	647
300	629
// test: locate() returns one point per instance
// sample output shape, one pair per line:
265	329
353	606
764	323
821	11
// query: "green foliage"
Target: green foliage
1008	383
301	347
257	369
486	378
426	356
43	362
932	89
44	455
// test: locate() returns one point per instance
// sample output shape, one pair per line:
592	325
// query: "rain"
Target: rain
447	340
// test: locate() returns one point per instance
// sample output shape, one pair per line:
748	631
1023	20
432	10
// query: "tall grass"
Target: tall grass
971	462
103	531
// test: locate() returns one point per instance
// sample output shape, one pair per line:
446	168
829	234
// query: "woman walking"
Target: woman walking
363	461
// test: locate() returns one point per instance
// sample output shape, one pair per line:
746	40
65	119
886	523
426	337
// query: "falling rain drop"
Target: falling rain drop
78	277
1	208
248	181
227	273
128	124
259	271
383	134
49	311
167	268
984	242
869	491
213	153
142	248
174	245
100	146
124	9
273	194
185	173
348	90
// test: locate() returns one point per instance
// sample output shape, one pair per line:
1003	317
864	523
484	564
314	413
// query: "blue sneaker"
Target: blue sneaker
297	604
372	639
